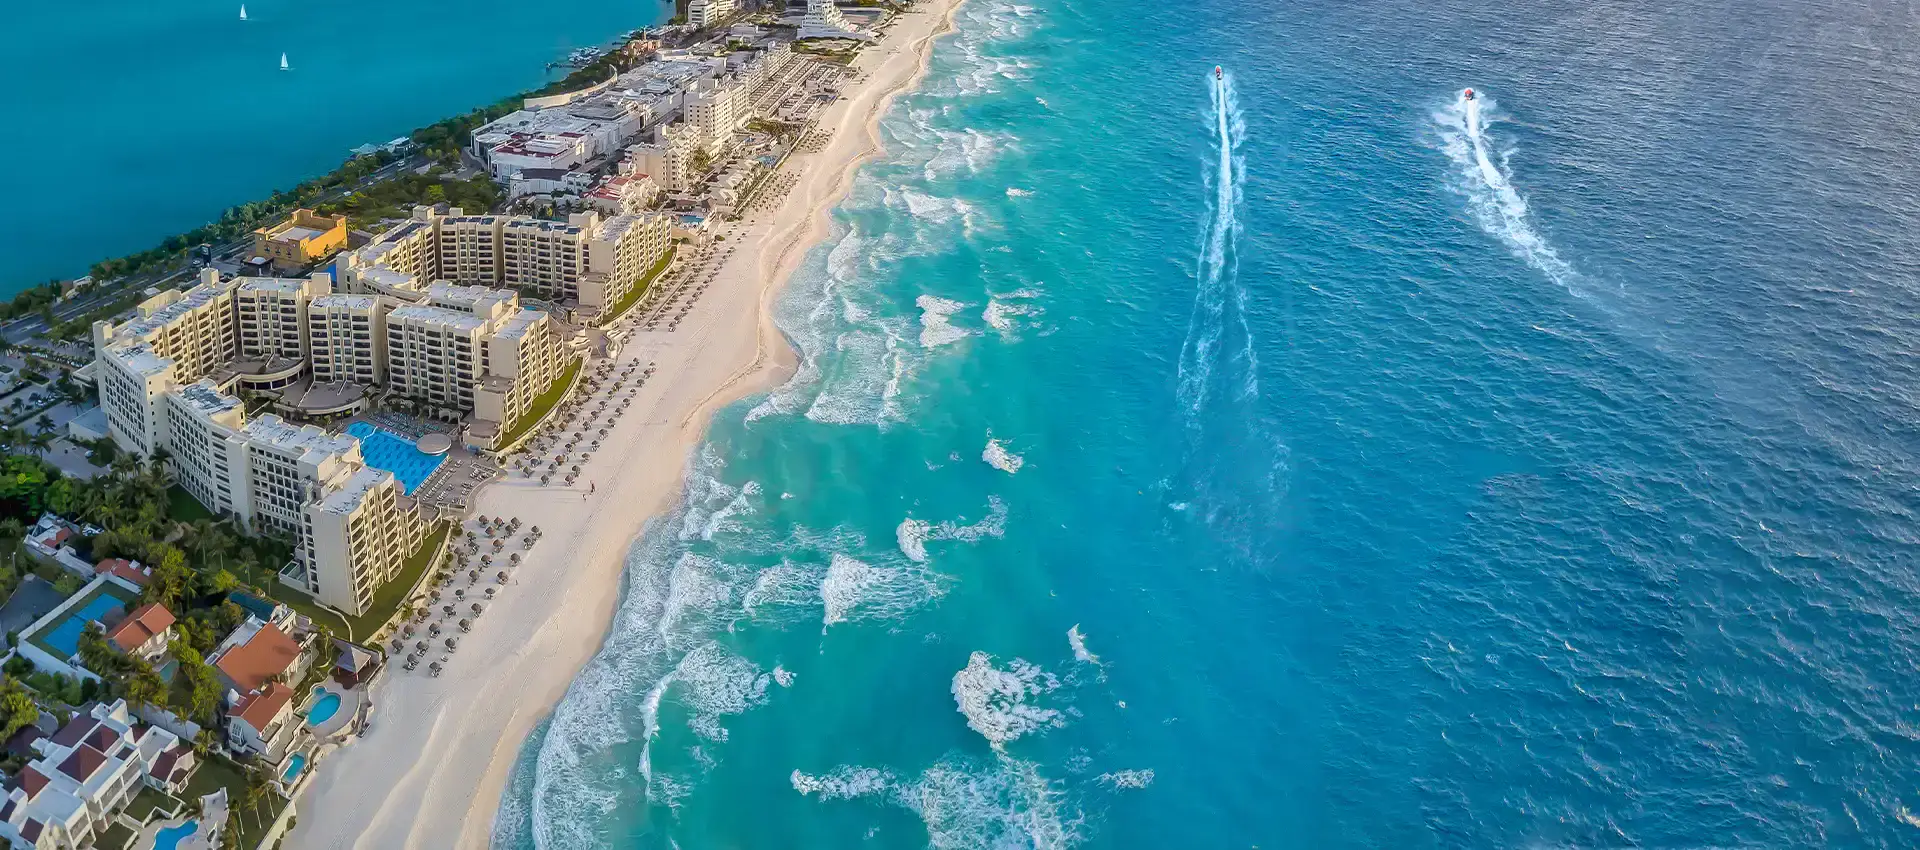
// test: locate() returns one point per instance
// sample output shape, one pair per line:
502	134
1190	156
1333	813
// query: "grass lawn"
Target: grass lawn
216	773
614	313
115	837
149	802
541	405
183	507
386	600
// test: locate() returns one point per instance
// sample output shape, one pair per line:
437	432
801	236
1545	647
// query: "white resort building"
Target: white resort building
85	774
172	380
588	263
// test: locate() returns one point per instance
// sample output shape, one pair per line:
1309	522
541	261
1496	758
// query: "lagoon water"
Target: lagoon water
137	119
1311	458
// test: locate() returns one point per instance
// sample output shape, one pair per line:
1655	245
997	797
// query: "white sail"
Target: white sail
243	11
283	61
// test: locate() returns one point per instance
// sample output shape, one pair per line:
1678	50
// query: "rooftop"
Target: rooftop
309	441
352	302
193	299
205	399
437	316
519	323
254	661
259	709
139	359
144	624
346	498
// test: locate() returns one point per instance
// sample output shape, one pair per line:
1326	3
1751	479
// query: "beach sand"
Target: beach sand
430	772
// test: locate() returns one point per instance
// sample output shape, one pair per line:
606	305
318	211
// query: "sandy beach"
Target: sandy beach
431	770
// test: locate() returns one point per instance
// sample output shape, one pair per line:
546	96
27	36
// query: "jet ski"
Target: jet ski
1217	73
1469	94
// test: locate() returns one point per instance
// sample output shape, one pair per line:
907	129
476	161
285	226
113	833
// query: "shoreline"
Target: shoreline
442	749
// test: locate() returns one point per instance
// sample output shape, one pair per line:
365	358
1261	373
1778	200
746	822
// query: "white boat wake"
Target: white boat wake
1218	290
1489	190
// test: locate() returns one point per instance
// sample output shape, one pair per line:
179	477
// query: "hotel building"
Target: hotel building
588	262
303	239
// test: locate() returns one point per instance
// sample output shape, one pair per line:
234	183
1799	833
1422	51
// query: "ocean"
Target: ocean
1311	457
164	114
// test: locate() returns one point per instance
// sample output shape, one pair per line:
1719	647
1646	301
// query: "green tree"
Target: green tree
17	708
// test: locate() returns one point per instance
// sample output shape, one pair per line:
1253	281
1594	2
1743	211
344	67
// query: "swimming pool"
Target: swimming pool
323	708
386	450
169	838
294	766
66	636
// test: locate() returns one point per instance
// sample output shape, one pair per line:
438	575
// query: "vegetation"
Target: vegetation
639	289
17	708
250	798
390	199
538	409
386	600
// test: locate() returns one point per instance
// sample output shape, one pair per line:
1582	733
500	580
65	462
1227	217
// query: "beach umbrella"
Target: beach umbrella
501	577
514	559
448	608
435	594
422	646
544	479
492	590
476	608
466	625
451	643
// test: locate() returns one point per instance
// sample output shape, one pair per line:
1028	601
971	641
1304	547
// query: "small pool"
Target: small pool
170	838
386	450
323	708
294	766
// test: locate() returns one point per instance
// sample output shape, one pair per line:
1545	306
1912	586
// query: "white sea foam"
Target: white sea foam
936	321
1079	643
782	676
1489	191
858	590
914	534
1130	779
844	783
782	586
847	581
1016	192
718	683
994	700
997	456
963	803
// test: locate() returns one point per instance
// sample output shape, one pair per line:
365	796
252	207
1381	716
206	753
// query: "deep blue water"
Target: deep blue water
1396	499
134	120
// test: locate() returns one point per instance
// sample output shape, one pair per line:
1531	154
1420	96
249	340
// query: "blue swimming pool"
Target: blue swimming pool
294	766
66	636
396	454
169	838
323	708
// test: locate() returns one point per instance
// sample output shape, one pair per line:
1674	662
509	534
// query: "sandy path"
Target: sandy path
431	771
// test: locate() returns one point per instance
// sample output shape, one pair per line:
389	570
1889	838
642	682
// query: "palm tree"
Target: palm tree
258	787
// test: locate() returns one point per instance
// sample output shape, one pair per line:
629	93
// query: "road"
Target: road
24	327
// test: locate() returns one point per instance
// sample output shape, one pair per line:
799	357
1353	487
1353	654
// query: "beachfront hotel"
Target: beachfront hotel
588	263
171	380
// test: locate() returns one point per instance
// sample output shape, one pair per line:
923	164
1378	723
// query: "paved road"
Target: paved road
27	326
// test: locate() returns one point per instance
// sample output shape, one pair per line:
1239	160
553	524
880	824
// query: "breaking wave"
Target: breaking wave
913	535
995	701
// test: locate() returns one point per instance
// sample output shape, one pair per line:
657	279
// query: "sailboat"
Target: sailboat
243	11
283	62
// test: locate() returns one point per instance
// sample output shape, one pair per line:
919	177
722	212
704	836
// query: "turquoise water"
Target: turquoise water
170	837
294	766
65	637
323	708
177	110
1307	459
383	449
